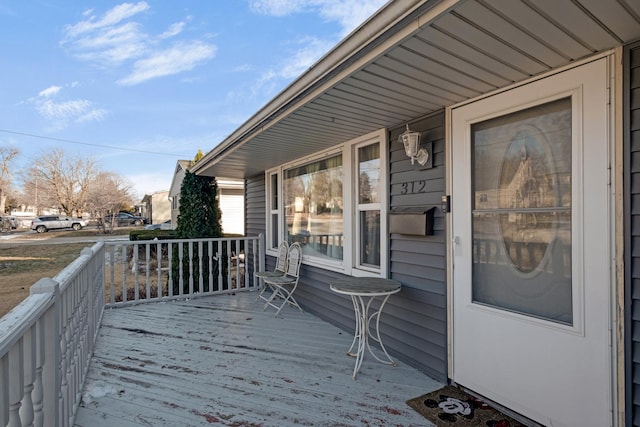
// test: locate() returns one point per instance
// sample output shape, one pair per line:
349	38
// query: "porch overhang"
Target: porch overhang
413	58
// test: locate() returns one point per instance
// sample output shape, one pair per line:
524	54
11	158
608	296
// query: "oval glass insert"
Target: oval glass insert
526	184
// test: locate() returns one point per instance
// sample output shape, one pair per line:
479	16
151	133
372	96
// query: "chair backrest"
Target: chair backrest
283	252
295	259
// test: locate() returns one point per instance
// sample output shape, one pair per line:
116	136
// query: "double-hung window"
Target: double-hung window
333	204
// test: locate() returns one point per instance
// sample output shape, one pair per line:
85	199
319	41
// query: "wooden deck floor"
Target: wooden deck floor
222	360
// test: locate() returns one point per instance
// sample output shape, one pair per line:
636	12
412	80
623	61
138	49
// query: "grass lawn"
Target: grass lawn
22	265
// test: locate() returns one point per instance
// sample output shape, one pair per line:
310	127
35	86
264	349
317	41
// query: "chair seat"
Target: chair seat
268	274
280	280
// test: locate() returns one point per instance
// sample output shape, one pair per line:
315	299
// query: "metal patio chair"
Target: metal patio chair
284	286
281	266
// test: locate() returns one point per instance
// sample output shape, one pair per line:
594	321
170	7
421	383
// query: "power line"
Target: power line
92	145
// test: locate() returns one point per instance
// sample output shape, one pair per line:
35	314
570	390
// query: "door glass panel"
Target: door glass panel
521	220
370	238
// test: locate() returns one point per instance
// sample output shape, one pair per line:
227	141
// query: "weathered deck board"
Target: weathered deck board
222	360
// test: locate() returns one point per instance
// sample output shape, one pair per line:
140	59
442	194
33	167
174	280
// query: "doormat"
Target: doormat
450	406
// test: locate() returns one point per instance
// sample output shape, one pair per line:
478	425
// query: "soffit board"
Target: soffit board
474	48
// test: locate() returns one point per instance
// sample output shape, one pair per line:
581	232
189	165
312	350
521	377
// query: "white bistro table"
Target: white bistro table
363	291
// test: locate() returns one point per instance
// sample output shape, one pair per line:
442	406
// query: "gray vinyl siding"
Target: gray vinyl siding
413	326
632	237
418	314
255	221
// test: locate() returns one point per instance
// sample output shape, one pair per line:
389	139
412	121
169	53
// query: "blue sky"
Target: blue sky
139	85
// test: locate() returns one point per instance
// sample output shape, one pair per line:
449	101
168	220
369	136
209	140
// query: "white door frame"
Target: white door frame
616	245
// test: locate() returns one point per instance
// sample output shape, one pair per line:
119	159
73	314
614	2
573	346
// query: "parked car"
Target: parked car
56	222
160	226
123	219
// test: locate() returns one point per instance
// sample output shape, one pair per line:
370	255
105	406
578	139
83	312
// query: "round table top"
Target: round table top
365	286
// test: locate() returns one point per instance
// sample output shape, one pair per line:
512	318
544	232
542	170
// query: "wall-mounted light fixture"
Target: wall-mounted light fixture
411	142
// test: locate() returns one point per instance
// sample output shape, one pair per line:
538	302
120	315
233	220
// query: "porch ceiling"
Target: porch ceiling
415	58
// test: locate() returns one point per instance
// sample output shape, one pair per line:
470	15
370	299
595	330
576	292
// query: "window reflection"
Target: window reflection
314	207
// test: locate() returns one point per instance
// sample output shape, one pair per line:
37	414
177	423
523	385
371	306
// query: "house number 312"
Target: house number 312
413	187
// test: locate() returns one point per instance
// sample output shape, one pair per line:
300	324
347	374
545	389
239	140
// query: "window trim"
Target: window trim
349	265
380	206
270	211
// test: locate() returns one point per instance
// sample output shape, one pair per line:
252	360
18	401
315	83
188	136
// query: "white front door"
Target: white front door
531	248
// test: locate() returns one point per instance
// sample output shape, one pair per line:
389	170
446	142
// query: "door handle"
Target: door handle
454	244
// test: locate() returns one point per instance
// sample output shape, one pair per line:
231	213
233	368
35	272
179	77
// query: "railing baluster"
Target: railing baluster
229	254
170	261
190	268
210	263
136	279
16	383
124	272
181	268
147	263
159	269
200	270
29	367
220	264
64	339
112	275
38	387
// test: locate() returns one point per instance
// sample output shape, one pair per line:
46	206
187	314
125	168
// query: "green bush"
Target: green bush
137	235
200	217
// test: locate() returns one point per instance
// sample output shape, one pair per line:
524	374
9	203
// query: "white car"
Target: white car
162	226
56	222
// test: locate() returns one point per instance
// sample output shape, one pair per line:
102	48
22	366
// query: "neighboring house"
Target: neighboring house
230	199
530	114
156	207
174	190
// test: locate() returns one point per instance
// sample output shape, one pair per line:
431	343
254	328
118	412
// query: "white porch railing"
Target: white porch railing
145	271
47	341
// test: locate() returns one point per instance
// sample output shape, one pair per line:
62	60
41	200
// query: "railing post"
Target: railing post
49	350
261	260
261	250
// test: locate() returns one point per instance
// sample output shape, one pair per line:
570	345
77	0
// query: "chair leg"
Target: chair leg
274	294
262	291
288	299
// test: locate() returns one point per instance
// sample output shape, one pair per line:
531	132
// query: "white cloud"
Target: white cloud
173	30
278	7
116	39
50	91
348	13
110	18
60	113
179	58
313	48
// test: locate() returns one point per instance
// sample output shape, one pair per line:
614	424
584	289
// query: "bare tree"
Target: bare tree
108	193
7	154
66	180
